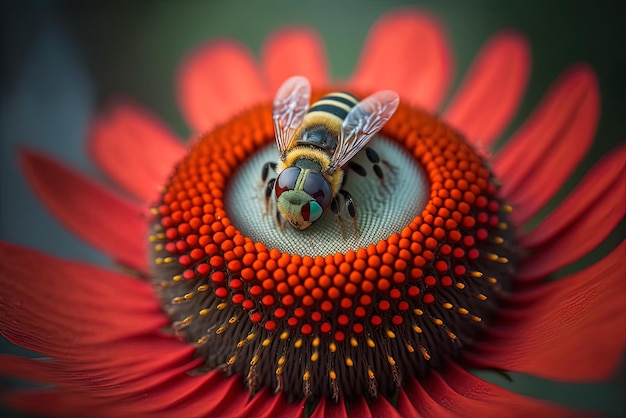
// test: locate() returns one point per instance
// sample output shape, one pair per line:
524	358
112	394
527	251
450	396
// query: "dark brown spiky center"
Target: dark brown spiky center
355	322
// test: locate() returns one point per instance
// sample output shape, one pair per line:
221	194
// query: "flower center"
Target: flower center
385	289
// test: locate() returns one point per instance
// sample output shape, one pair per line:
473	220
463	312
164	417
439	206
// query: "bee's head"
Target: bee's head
302	196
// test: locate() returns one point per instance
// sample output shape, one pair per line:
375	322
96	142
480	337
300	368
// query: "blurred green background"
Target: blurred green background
61	60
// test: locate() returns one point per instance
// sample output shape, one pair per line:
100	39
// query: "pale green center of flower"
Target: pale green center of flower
383	207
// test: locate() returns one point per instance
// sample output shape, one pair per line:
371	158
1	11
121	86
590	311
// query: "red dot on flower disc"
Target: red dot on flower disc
376	320
221	293
397	320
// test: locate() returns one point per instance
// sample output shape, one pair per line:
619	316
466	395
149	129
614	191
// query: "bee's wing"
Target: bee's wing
290	106
361	124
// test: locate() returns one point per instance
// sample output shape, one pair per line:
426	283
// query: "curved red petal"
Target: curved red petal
492	90
406	51
58	307
112	224
549	146
56	403
360	408
294	51
414	401
216	81
329	409
580	223
114	366
134	149
467	395
382	408
578	320
266	404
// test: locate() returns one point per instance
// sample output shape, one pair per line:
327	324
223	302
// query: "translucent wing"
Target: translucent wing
361	124
290	106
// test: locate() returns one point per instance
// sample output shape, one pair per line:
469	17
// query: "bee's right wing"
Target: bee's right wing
290	106
361	124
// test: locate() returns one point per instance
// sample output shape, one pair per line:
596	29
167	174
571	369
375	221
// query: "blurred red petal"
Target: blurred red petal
467	395
105	220
55	403
114	367
549	146
581	222
406	51
294	51
568	330
216	81
58	307
134	149
492	90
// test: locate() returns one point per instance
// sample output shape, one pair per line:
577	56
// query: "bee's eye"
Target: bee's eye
316	186
286	180
311	211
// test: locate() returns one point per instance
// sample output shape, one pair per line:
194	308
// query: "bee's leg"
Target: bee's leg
334	207
374	158
357	168
280	221
376	161
269	187
266	170
351	207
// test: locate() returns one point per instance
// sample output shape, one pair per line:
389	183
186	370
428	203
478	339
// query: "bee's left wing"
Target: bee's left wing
361	124
290	106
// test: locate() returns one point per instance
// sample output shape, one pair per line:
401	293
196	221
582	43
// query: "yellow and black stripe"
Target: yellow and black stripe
337	104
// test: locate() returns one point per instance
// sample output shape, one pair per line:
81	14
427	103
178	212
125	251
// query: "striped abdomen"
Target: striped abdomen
322	123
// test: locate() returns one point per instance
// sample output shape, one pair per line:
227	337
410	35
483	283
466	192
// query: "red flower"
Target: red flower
103	332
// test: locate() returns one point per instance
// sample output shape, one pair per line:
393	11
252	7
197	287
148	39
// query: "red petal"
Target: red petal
296	51
114	367
467	395
382	408
406	51
57	307
330	409
266	404
135	149
216	81
581	222
360	408
492	90
545	151
112	224
414	401
568	330
55	403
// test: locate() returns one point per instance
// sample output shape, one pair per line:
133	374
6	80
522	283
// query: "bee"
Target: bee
316	143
